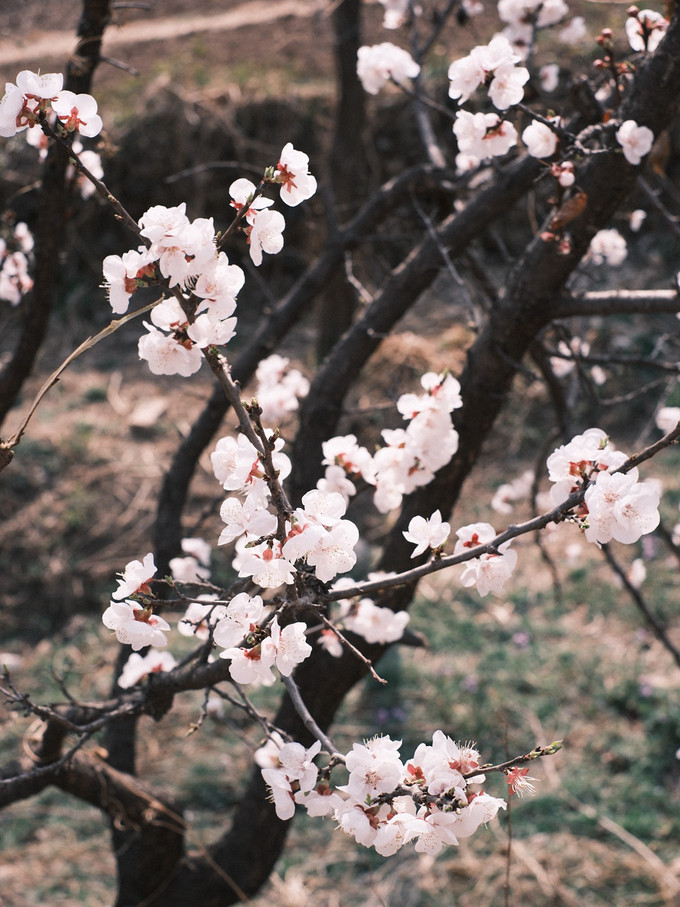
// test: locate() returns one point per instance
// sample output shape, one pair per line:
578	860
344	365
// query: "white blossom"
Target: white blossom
381	62
635	140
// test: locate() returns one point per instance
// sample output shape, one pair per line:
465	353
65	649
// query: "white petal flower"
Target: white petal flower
635	140
430	533
292	172
540	140
377	64
266	235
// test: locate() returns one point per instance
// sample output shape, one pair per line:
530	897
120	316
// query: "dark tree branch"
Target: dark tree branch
52	214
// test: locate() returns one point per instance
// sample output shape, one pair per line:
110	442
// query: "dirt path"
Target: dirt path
41	46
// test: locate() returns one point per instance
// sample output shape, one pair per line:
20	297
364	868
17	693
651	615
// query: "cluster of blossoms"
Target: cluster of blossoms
491	571
616	505
497	66
523	17
15	280
376	625
314	537
493	63
279	388
381	63
185	253
607	247
264	228
34	94
386	802
411	455
134	624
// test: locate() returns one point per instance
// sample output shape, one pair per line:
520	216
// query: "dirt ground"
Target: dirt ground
34	34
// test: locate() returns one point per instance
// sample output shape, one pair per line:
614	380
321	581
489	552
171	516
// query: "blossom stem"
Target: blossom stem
536	753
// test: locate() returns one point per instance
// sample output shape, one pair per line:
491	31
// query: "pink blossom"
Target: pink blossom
43	87
490	572
465	76
374	768
243	615
645	29
135	578
574	32
11	108
247	517
298	763
218	284
321	801
278	388
324	507
250	666
355	821
540	140
265	235
636	219
123	274
607	246
375	624
234	462
334	552
267	566
381	62
667	418
482	809
427	533
344	451
635	140
137	667
396	831
135	626
21	103
483	135
297	183
620	508
78	112
506	87
289	645
519	781
242	192
208	330
15	280
161	225
168	355
188	570
335	480
440	766
396	12
549	76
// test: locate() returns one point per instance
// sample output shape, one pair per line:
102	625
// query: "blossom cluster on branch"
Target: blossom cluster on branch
295	590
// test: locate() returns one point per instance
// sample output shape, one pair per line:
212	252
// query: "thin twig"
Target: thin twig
306	716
